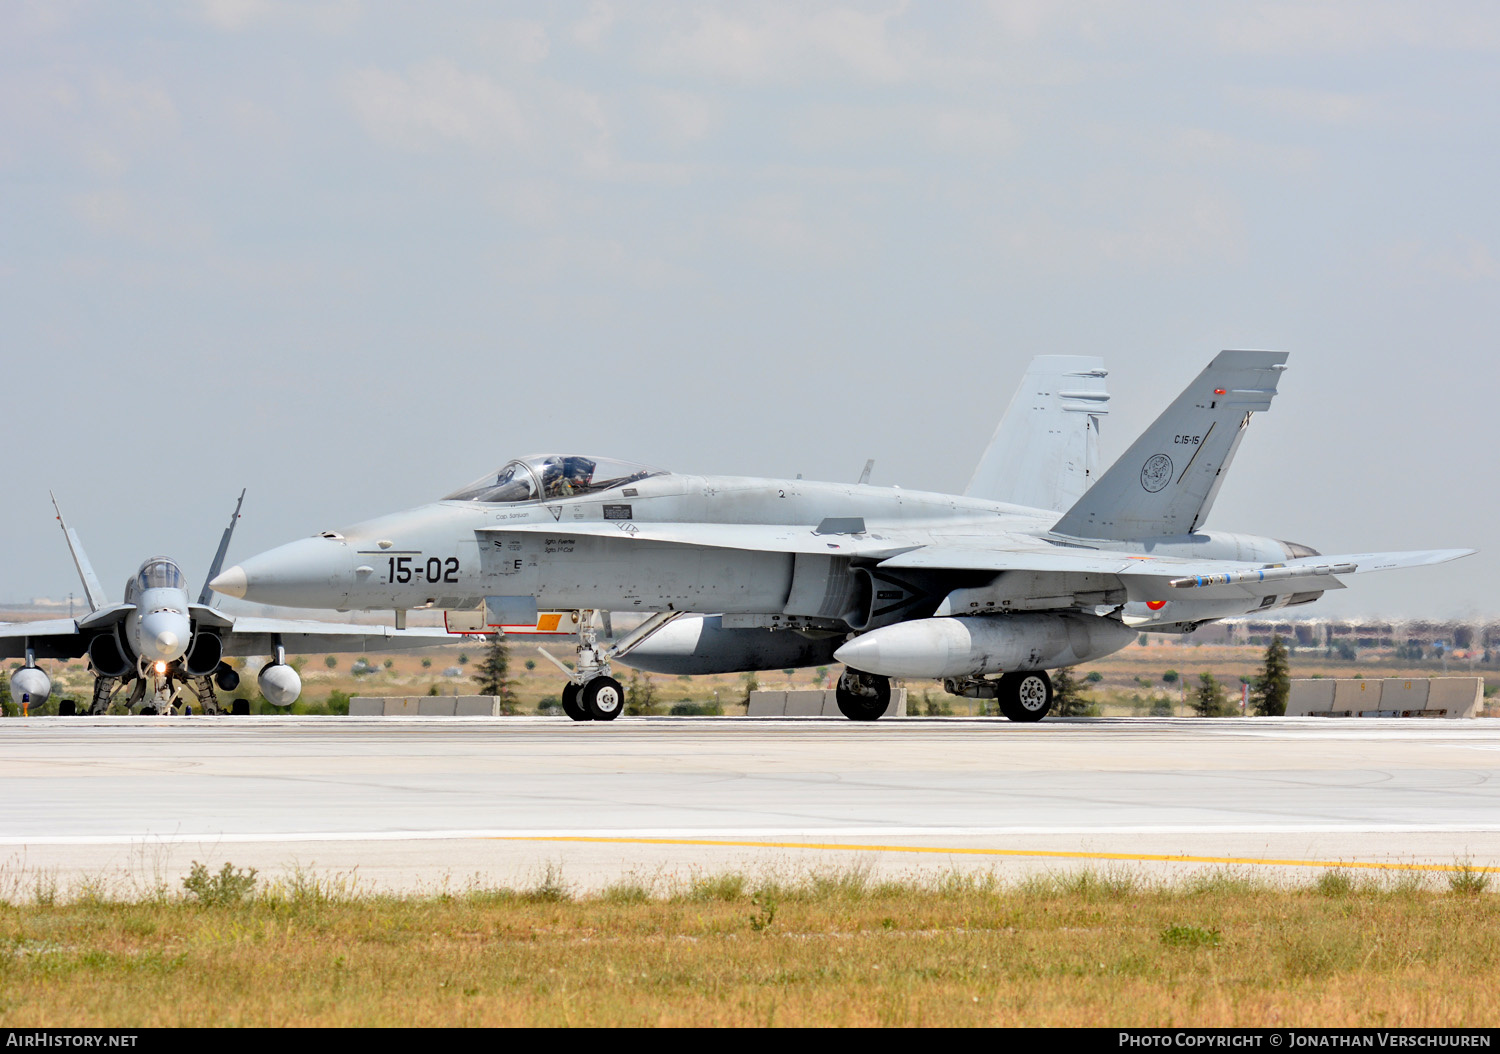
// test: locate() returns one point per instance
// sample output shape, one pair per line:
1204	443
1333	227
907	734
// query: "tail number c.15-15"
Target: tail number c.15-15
405	568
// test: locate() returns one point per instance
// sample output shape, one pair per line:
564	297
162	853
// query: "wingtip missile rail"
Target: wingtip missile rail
1264	574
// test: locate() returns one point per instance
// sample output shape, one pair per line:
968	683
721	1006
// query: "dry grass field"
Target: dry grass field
1084	948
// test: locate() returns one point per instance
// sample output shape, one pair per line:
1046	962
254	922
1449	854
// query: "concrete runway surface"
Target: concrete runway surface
433	803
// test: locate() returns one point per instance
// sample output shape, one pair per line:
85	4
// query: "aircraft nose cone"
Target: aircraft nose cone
310	573
164	636
231	582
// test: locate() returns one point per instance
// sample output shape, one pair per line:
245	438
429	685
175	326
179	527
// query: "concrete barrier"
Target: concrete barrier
476	705
1456	696
424	706
1450	697
1356	694
1402	695
808	703
812	703
1310	697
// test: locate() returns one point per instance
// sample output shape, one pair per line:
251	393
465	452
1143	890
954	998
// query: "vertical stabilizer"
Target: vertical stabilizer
1045	451
92	590
214	568
1166	483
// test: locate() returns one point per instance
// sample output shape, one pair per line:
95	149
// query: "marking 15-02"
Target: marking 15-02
403	569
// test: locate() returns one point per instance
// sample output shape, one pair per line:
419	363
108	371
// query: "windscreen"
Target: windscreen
553	476
159	573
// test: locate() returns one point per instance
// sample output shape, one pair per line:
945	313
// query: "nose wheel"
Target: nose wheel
603	698
570	703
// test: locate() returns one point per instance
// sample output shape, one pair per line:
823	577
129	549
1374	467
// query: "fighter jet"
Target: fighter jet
1043	562
159	645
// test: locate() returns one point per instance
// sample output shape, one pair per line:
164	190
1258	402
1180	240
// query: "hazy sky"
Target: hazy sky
351	256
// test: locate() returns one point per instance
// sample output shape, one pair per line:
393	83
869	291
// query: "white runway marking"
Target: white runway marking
520	833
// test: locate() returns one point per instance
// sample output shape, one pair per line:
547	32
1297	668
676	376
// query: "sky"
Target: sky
350	256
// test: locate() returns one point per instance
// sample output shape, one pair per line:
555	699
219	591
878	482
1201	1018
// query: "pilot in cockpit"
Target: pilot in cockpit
563	477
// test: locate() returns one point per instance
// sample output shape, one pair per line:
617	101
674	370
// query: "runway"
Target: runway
427	804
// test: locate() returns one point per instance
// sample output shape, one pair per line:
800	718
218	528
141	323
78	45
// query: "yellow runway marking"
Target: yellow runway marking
1055	854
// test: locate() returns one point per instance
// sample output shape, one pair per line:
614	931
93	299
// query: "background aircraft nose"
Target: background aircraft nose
164	635
231	582
310	572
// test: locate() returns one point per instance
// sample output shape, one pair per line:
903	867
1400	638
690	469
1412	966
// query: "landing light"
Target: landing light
161	668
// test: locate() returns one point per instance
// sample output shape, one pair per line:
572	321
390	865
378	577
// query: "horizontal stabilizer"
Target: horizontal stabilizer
1166	483
1045	451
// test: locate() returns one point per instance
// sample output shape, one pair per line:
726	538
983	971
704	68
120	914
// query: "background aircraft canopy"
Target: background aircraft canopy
159	573
544	476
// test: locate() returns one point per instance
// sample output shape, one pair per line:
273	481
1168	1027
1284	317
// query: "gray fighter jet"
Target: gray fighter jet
1041	563
157	644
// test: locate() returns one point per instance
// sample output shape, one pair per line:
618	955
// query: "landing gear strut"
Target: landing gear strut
862	696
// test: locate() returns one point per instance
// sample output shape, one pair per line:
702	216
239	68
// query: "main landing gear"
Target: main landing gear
591	693
145	690
1023	695
862	696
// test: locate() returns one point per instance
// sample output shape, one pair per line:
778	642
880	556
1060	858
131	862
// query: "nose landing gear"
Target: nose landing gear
591	693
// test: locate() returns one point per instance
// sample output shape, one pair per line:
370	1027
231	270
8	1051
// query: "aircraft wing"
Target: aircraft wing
251	635
67	638
1169	577
56	638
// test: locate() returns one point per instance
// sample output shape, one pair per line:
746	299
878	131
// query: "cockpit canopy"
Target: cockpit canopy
549	476
159	573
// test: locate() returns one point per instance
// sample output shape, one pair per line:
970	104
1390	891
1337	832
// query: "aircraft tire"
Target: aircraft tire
239	708
1025	695
864	697
570	703
67	708
603	698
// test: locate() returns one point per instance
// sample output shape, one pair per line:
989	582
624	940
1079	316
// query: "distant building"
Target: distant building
1460	637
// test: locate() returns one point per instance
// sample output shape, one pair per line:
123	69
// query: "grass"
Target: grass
835	947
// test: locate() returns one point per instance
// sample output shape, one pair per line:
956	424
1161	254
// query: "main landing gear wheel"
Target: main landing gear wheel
1026	696
862	696
603	698
570	703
